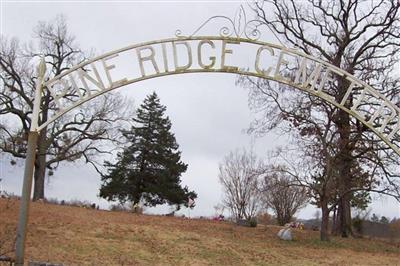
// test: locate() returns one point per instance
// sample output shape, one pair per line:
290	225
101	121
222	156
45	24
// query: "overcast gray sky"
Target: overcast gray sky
208	112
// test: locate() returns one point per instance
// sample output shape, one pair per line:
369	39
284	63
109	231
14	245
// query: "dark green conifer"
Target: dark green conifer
149	169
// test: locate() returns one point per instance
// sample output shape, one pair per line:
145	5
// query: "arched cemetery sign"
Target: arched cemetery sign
213	54
241	54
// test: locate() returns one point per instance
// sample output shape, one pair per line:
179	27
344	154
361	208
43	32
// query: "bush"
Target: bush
358	225
253	222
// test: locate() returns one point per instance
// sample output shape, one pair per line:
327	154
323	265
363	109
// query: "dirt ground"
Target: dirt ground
78	236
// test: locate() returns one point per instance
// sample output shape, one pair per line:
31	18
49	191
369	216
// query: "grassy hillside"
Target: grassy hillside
78	236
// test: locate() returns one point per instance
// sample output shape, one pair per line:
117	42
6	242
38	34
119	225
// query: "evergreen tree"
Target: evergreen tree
384	220
374	218
149	169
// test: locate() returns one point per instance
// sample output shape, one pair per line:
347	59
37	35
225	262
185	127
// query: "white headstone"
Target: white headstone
285	234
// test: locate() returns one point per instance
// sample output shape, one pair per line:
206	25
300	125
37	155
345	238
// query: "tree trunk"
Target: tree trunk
337	224
334	220
324	231
346	161
39	176
343	225
344	165
40	167
345	228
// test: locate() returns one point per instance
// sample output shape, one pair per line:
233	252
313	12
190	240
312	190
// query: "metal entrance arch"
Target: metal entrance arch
164	57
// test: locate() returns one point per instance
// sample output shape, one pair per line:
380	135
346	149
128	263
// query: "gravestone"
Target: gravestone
285	234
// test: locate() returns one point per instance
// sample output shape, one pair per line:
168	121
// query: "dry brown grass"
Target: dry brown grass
77	236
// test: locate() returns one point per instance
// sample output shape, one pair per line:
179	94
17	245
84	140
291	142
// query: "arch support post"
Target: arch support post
25	198
28	172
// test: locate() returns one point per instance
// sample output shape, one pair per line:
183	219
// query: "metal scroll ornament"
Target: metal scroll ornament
238	27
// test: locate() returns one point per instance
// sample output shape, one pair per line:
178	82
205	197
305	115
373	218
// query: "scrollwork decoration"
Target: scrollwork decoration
238	27
251	30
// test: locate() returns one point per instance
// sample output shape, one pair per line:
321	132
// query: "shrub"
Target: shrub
358	225
253	222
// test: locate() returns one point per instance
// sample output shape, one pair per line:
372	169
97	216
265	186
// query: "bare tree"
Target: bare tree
83	133
239	174
282	194
361	37
309	160
312	171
